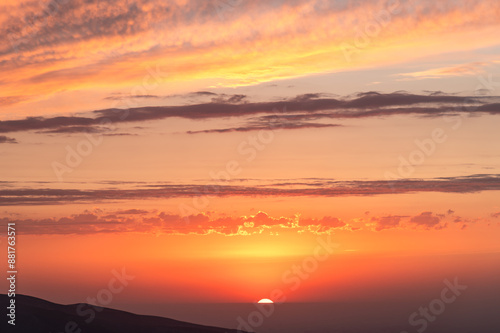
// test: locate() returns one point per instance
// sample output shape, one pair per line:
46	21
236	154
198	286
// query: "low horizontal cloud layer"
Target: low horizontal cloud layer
168	223
318	187
142	221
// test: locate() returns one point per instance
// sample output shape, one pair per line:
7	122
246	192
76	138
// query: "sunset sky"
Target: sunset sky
207	147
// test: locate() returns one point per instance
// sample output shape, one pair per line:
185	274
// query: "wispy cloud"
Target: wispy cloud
4	139
82	44
459	70
122	97
266	126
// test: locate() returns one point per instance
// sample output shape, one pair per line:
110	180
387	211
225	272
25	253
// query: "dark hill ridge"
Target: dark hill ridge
36	315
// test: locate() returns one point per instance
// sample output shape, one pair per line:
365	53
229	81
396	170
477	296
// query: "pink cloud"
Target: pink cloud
426	219
387	222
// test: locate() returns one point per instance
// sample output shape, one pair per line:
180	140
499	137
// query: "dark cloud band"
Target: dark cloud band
301	108
321	187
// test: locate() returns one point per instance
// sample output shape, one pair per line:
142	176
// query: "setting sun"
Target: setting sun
265	301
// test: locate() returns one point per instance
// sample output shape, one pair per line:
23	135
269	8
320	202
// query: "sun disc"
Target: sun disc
265	301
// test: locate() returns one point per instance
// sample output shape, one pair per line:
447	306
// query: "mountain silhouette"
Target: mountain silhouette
35	315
